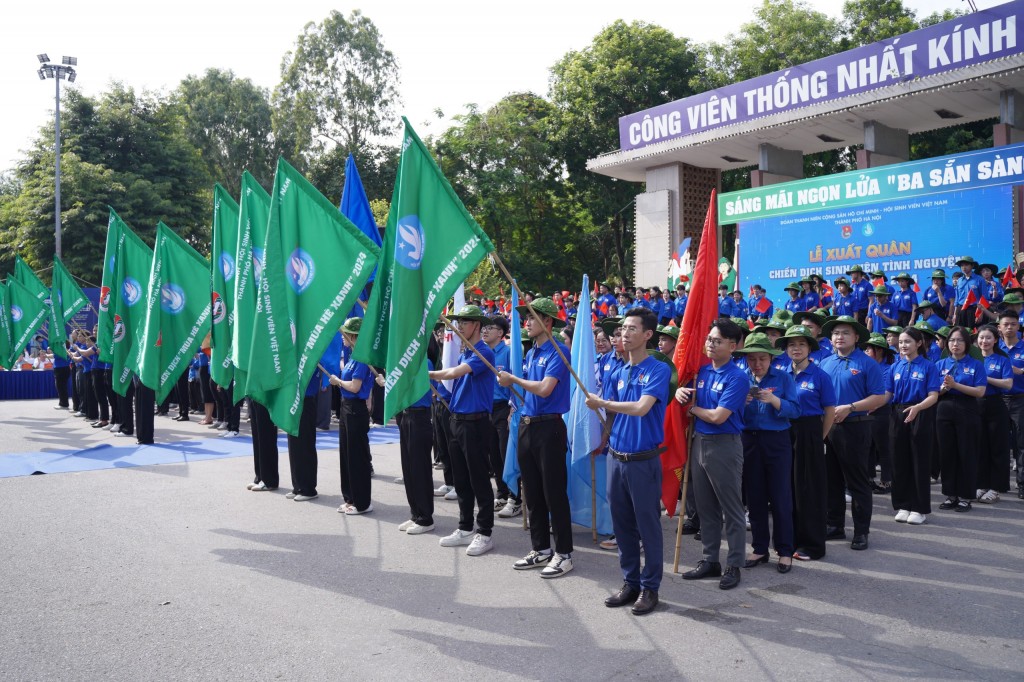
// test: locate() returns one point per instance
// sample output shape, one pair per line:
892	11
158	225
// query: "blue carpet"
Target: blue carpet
119	454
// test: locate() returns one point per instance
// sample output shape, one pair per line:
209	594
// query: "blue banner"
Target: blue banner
913	235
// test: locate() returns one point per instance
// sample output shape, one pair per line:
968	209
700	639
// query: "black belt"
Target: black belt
636	456
539	418
858	418
955	396
416	409
470	416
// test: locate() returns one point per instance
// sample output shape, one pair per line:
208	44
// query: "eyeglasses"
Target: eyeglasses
715	340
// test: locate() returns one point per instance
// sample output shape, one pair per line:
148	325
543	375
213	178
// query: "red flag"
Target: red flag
917	289
982	303
701	311
878	281
477	290
971	299
764	305
1009	278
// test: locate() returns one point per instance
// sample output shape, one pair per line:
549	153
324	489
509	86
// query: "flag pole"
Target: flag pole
536	316
682	511
593	496
451	325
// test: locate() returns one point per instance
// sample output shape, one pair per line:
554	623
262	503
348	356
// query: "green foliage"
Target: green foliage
868	21
380	208
377	164
339	85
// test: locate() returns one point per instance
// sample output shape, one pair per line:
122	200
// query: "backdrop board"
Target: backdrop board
914	235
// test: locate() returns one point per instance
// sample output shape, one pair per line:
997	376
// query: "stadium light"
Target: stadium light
57	73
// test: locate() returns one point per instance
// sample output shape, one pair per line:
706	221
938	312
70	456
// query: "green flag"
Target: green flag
24	274
177	312
66	299
132	263
254	211
315	264
222	271
28	312
431	244
5	326
105	323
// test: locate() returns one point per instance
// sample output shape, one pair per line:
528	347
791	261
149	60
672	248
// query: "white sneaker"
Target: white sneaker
419	530
902	515
261	487
988	496
481	544
252	485
557	567
458	537
511	508
442	490
344	507
849	498
451	495
352	511
979	493
121	434
114	427
399	480
229	434
221	426
406	525
214	425
306	498
499	503
748	520
290	496
916	519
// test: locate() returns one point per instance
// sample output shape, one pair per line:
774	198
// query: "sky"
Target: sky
450	53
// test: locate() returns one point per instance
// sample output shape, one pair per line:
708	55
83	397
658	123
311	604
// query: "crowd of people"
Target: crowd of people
847	391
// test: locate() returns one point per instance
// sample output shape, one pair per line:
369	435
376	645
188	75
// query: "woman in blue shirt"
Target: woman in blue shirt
957	422
808	295
881	352
993	465
355	382
912	385
845	302
816	399
768	452
795	304
904	299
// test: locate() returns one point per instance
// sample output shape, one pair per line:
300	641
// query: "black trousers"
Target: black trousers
112	397
76	395
810	505
302	457
911	453
87	391
99	389
499	445
471	473
60	380
846	466
881	453
415	442
1015	408
903	317
206	386
993	465
442	439
181	388
542	447
126	409
356	478
264	446
145	400
323	410
958	427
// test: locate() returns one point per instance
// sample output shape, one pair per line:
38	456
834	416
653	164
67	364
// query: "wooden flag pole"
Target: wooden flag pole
454	328
593	496
682	502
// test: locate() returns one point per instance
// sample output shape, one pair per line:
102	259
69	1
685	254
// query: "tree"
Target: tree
378	166
868	21
339	85
627	68
228	119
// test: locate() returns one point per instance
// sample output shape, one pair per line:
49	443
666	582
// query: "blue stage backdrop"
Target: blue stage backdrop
913	235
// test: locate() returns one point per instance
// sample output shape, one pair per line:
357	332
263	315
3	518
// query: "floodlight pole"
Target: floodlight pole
56	147
57	72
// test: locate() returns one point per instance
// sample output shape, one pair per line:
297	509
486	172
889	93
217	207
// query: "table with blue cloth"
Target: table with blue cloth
26	385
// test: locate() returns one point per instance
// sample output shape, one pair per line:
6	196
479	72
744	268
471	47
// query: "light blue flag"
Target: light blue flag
584	428
515	361
356	207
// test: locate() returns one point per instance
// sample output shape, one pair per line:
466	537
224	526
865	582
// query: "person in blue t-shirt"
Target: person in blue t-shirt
1011	344
969	290
860	289
471	404
905	299
859	389
634	399
717	403
605	304
912	385
755	306
739	306
993	465
881	313
725	306
879	350
843	303
679	306
795	304
507	503
992	290
941	295
958	420
355	382
926	310
810	298
826	294
542	441
817	403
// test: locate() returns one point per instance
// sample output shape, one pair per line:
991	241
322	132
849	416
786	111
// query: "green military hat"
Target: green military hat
777	325
792	286
610	324
544	306
878	341
939	273
818	317
903	275
855	268
880	273
808	279
967	260
893	329
524	338
880	290
470	312
924	328
841	280
673	381
797	331
669	330
352	326
862	332
925	305
1012	299
943	332
758	343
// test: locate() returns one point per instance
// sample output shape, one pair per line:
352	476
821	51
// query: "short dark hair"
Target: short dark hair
1008	313
647	317
759	287
728	329
499	321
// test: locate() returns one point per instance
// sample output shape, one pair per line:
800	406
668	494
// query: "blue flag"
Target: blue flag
515	366
584	428
356	207
331	360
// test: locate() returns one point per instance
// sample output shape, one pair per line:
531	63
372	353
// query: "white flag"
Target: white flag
452	344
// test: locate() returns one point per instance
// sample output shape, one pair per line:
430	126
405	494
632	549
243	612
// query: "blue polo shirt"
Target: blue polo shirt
934	352
795	305
754	312
356	370
966	284
740	309
993	290
814	391
948	293
826	298
758	416
996	367
726	387
501	360
844	305
59	362
781	363
725	306
607	365
854	377
628	384
542	362
680	305
912	381
904	300
966	371
1016	356
427	397
860	291
824	350
474	392
876	323
810	300
934	321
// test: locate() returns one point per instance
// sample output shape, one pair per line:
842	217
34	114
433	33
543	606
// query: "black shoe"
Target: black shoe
860	541
883	489
750	563
705	569
963	506
627	595
645	603
835	533
181	418
690	529
950	503
696	536
730	579
784	568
